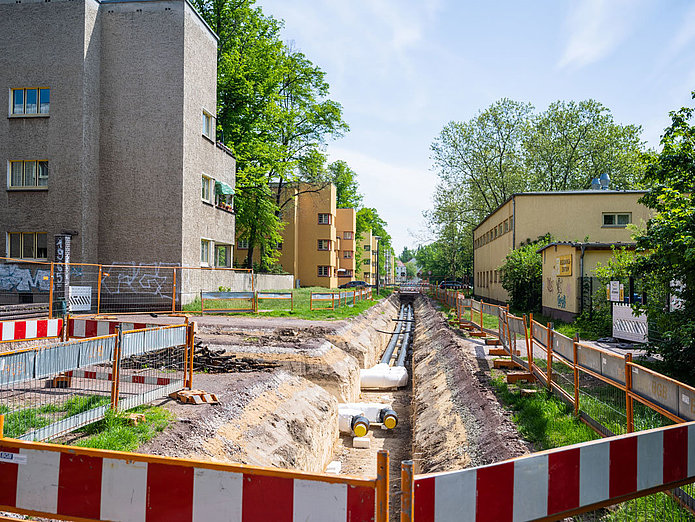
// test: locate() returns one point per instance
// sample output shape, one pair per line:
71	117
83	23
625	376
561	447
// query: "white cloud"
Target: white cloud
596	28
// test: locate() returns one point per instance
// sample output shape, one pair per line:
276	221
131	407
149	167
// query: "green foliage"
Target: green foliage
522	275
407	255
668	245
410	270
115	433
345	181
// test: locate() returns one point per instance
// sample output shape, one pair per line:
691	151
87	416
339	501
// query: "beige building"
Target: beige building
318	240
565	263
345	243
367	271
590	216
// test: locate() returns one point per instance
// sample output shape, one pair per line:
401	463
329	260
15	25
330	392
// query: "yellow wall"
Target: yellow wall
365	271
345	222
568	216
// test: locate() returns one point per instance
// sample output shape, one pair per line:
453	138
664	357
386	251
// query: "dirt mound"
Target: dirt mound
263	419
458	421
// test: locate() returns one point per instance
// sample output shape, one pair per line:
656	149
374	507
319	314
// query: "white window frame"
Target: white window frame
230	250
321	242
205	245
327	270
348	236
208	125
328	219
615	217
21	245
242	244
211	190
348	254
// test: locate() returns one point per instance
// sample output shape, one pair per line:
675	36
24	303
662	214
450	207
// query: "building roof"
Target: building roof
589	245
557	193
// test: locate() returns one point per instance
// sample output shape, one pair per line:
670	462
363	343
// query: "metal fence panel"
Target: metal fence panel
97	351
613	367
56	359
490	309
686	403
516	325
589	358
475	305
17	367
563	345
656	388
539	333
135	343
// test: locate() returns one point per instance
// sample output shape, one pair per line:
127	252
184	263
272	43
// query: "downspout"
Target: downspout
581	280
513	222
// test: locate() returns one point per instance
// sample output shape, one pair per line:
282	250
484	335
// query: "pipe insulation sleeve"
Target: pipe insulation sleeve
406	338
360	425
372	410
388	353
384	376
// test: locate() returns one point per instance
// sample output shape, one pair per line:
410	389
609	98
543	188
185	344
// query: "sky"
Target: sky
402	69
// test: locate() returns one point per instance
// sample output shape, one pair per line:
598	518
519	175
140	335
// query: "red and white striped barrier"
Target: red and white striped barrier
562	481
48	480
84	328
30	329
106	376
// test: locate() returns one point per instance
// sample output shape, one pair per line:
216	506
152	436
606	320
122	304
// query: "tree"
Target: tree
345	181
573	142
410	270
522	275
406	255
668	245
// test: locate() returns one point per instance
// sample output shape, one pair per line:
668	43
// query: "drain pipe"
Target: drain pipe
386	358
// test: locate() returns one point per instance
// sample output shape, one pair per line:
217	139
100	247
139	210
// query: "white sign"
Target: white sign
628	326
676	303
13	458
614	292
80	299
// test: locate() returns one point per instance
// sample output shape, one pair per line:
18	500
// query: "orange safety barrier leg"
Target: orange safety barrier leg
407	491
382	486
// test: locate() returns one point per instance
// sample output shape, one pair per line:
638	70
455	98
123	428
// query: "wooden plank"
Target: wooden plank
505	363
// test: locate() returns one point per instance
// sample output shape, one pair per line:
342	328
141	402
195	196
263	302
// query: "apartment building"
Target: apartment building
345	243
110	134
318	239
589	216
368	245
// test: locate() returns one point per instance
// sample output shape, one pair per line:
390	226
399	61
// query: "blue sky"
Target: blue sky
403	69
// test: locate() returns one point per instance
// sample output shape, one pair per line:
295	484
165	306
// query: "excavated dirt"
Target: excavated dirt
263	419
458	422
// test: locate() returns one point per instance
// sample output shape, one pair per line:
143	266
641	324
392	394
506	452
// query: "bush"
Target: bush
522	275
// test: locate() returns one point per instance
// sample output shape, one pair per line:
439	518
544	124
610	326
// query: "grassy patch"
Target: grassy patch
541	418
302	310
115	433
23	421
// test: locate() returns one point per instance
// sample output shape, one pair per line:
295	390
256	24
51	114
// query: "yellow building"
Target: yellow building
345	241
367	271
565	264
596	216
313	236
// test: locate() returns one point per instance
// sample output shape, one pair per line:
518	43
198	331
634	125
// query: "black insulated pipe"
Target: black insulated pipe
386	359
406	338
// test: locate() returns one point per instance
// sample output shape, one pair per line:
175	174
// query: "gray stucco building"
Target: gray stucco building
110	133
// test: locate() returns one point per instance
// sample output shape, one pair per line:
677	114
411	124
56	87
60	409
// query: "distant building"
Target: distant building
367	271
401	271
110	134
318	239
589	216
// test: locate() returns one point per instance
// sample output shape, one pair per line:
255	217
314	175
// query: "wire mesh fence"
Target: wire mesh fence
51	390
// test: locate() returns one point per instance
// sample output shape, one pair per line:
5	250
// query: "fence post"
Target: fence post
382	486
407	491
528	334
115	370
50	293
576	377
332	300
191	349
628	398
173	291
549	353
481	316
2	425
99	292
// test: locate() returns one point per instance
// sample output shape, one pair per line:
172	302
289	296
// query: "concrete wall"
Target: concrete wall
195	281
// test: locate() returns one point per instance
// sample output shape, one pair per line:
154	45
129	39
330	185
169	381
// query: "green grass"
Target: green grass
541	418
115	433
301	297
20	422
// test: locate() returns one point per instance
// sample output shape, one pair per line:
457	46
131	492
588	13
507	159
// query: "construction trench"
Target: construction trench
294	399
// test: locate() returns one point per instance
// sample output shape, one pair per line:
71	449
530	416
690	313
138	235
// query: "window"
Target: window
28	245
347	235
324	244
367	248
32	100
242	244
206	188
324	219
223	255
366	262
617	220
278	246
324	271
208	125
366	276
204	252
348	254
506	226
28	174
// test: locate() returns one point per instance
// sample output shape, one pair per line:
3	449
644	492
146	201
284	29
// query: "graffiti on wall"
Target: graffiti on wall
14	278
154	280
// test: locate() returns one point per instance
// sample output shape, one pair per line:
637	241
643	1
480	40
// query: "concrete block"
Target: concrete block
360	442
334	467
